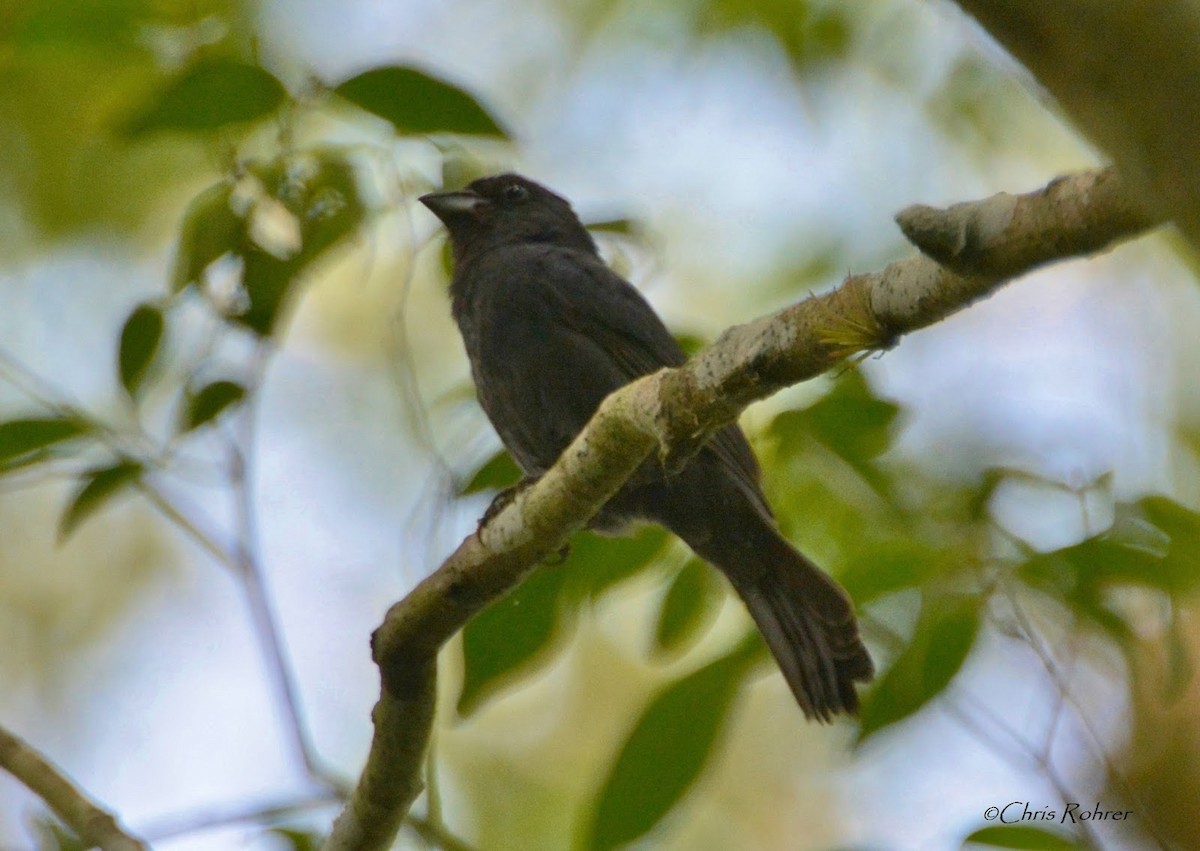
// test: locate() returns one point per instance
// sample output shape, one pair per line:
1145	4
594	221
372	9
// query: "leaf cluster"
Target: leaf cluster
908	549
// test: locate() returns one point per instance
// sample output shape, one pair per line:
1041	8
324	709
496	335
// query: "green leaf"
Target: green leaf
211	94
97	487
689	607
53	836
210	230
1180	667
497	473
1154	543
319	189
298	840
79	24
810	33
849	420
878	568
943	637
1179	570
210	402
622	227
690	343
1022	836
502	644
140	338
598	562
461	165
668	748
414	102
18	438
446	260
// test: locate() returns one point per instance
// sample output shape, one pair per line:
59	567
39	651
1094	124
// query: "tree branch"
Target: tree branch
1010	234
674	411
90	822
1125	74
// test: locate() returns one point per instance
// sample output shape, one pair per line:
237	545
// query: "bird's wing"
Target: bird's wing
608	313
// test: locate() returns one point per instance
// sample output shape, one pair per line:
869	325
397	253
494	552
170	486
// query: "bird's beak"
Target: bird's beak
451	205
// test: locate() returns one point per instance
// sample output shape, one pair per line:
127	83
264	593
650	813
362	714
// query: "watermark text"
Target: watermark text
1022	812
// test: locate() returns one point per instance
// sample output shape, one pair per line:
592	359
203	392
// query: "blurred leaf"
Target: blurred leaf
668	748
97	488
979	504
210	230
598	562
1153	543
298	840
211	94
503	642
943	637
461	166
1180	667
814	265
850	419
53	836
319	189
689	607
878	568
414	102
72	71
1180	567
267	281
140	338
810	32
973	105
690	343
1021	836
210	401
79	23
624	227
497	473
18	438
446	258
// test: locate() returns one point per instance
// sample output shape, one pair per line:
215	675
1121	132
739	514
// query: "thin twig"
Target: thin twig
171	827
262	614
414	406
1053	670
190	527
1044	766
93	824
435	834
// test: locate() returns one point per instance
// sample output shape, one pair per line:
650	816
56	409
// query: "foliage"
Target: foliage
1021	836
908	536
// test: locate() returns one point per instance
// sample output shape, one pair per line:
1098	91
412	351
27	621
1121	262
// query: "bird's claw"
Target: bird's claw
501	501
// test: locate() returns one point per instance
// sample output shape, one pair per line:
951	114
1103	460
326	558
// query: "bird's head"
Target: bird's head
506	209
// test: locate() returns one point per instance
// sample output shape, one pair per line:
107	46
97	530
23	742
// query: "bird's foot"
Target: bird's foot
502	500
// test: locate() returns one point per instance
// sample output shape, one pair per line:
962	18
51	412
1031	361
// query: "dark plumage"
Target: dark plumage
550	331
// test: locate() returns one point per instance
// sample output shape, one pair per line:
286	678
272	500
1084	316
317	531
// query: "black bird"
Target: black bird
550	331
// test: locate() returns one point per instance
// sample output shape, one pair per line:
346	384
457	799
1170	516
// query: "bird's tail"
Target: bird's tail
809	625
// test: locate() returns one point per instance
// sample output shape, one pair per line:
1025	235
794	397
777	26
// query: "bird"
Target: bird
550	331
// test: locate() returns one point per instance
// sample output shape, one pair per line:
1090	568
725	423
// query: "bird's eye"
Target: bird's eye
515	192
